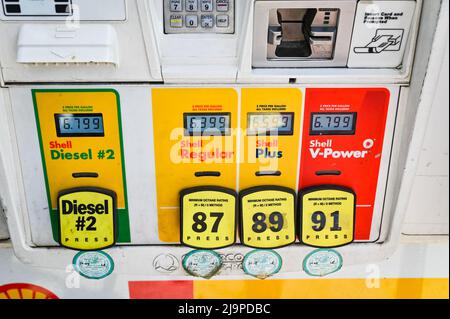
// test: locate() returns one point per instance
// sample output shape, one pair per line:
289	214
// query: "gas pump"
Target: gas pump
167	136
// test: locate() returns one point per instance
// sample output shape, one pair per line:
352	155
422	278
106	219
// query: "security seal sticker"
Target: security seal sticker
322	262
87	218
202	263
262	263
268	216
93	264
327	216
208	217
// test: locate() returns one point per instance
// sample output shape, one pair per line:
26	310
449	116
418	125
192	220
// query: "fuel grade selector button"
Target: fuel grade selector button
87	218
267	216
208	217
327	216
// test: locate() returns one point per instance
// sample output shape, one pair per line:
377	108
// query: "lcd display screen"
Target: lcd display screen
333	123
207	123
79	125
270	123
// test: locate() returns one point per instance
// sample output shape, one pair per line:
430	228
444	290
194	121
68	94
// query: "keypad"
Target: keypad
199	16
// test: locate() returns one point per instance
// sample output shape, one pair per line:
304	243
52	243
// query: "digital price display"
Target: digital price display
267	217
333	123
270	123
327	216
79	125
207	123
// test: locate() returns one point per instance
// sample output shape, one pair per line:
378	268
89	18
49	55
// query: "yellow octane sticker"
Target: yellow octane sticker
327	216
208	217
268	217
87	218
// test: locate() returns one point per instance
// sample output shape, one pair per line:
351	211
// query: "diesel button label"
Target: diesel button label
87	218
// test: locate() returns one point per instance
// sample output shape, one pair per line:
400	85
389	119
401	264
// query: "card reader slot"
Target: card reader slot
207	174
328	172
85	175
268	173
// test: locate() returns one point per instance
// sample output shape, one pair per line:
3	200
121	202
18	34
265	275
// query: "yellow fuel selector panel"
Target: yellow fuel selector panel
195	145
270	118
81	147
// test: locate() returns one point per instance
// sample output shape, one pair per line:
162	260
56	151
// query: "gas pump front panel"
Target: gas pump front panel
210	166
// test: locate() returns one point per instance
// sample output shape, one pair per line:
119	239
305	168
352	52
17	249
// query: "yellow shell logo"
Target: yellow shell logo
25	291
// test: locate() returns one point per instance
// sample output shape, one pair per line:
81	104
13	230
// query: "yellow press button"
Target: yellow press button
208	217
268	216
87	218
327	216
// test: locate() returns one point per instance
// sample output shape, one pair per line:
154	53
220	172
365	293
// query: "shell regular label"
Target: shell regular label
87	219
268	217
327	217
208	218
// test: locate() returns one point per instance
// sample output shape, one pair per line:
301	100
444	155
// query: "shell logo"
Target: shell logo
25	291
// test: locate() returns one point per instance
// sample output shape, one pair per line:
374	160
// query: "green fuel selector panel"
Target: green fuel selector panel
327	216
87	218
268	216
208	217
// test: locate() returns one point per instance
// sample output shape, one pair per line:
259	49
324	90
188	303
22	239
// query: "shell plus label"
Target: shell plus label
208	217
270	120
267	217
327	216
87	219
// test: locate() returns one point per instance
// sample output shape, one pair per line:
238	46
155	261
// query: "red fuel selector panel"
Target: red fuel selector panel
342	145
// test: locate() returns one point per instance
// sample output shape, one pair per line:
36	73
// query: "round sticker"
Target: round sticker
202	263
322	262
93	264
262	263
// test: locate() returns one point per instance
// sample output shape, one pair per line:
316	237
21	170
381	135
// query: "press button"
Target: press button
223	5
176	5
207	21
207	5
176	21
223	21
191	21
192	5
